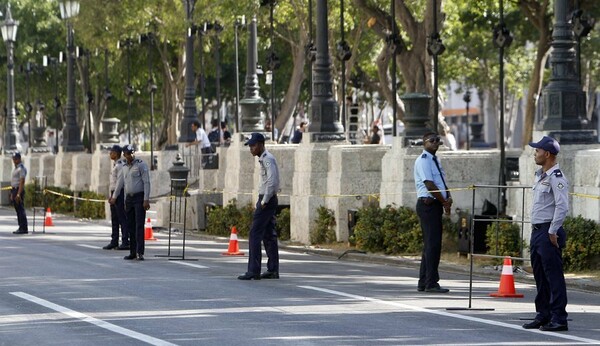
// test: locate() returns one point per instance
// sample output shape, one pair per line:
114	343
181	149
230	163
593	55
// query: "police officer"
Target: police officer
263	223
117	210
433	200
135	181
548	238
17	192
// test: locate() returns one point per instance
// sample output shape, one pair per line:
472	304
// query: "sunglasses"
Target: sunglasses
433	139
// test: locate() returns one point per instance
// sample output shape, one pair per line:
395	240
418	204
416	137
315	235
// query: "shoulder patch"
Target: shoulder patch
560	186
557	173
424	156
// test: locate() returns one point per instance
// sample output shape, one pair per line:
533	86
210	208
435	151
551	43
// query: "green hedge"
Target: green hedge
582	251
503	239
221	219
63	204
324	231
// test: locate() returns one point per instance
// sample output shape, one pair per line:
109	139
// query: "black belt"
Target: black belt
539	226
427	200
134	194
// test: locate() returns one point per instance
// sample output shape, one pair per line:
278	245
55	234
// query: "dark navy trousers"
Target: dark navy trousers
430	213
546	260
118	220
263	230
136	216
19	208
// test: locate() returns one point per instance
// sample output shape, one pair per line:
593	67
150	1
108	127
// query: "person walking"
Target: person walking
134	182
433	199
263	223
17	192
548	238
118	218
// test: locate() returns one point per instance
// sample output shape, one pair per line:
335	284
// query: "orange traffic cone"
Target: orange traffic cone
234	248
148	235
507	282
48	219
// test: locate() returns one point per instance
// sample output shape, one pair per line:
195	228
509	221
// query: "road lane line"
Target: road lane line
190	264
448	314
90	246
86	318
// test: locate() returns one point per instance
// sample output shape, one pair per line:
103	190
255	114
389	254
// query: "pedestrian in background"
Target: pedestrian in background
433	199
202	141
548	238
118	218
297	138
17	192
134	181
263	222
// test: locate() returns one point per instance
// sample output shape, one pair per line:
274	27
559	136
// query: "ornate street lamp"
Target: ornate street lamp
9	34
71	132
240	22
189	103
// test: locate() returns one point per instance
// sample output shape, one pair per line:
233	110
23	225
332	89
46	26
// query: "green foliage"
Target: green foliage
324	231
503	239
582	251
368	233
246	215
221	219
283	224
61	202
91	209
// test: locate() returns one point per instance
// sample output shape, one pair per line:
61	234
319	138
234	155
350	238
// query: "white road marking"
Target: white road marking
451	315
90	246
85	318
190	264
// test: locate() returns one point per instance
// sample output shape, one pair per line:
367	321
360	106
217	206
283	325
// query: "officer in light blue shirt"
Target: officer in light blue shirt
263	222
433	199
548	238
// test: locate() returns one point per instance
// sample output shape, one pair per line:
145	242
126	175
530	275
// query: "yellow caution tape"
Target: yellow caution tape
73	197
6	188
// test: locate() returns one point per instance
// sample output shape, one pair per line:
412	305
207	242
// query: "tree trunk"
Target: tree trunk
294	87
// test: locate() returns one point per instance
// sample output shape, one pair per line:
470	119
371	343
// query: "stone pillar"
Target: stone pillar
324	125
63	169
251	105
563	105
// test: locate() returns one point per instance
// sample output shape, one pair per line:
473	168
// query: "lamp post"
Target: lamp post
189	104
240	22
273	62
129	90
343	54
47	60
324	126
28	107
151	87
435	47
467	99
9	34
218	28
71	132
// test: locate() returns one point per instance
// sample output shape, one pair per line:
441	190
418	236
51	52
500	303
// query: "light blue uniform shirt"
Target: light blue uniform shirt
550	198
19	172
269	176
134	178
425	169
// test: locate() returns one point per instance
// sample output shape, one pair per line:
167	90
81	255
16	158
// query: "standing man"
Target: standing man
134	181
548	238
201	140
433	199
117	210
263	223
297	138
17	192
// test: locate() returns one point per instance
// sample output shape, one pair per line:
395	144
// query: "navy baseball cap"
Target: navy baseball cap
16	155
116	148
255	138
548	144
128	149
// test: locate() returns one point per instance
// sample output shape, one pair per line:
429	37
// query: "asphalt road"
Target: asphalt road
61	288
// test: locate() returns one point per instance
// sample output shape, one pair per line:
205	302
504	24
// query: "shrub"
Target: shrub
324	231
283	224
61	202
503	239
221	219
244	222
582	251
401	231
368	233
91	209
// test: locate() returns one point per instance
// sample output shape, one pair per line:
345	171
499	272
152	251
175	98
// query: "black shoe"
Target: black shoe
130	257
140	257
249	276
437	290
110	246
21	231
269	275
554	327
123	247
535	324
420	288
